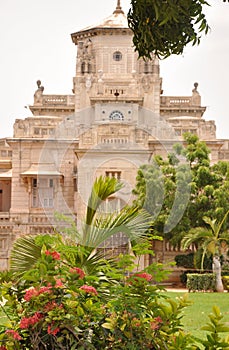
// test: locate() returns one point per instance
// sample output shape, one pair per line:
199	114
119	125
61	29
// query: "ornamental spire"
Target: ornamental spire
118	7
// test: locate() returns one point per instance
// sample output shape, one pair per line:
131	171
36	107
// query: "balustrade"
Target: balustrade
169	101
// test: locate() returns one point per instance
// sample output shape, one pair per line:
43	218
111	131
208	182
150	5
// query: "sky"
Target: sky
35	43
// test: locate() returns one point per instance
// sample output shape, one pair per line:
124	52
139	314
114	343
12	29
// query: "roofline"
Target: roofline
97	30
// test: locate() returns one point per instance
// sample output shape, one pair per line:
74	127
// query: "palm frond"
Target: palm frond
24	254
137	220
103	188
132	222
196	235
222	221
210	222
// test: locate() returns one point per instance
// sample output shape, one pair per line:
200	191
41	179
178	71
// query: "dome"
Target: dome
118	20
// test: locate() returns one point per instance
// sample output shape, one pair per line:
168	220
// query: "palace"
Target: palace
116	119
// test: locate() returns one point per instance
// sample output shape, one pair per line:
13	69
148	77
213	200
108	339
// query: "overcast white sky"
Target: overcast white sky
35	44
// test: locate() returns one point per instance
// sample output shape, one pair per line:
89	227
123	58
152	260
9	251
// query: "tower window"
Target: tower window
117	56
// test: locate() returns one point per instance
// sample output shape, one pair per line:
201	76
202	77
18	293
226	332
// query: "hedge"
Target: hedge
201	282
225	280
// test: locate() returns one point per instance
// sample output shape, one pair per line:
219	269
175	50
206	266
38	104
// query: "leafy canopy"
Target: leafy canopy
165	27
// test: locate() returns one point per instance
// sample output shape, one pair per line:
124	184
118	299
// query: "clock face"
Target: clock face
117	56
116	115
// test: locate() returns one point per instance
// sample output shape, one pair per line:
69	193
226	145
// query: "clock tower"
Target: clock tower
109	76
117	106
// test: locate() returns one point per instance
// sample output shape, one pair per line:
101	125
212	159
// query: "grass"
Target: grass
196	315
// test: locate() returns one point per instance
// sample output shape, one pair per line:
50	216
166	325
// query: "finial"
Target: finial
118	7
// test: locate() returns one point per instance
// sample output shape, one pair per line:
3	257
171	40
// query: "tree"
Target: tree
165	27
209	194
163	189
180	190
96	229
210	240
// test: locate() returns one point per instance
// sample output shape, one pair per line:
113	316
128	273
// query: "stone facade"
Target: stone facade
116	119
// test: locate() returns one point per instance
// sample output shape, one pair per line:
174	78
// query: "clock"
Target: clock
116	115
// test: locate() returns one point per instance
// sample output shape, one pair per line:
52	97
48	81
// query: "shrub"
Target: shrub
185	260
59	305
201	282
183	276
225	280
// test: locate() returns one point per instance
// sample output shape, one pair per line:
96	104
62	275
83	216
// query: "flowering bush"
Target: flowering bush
52	307
57	305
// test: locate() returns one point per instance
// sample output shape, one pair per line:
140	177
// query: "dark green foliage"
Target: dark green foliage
185	260
183	276
207	263
193	260
184	188
165	27
201	282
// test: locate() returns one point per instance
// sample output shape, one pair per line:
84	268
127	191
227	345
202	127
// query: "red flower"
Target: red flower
3	348
158	319
30	321
156	323
44	289
78	271
30	293
55	255
89	289
144	275
14	334
53	331
33	292
59	283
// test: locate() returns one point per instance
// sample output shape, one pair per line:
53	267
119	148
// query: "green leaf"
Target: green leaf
108	326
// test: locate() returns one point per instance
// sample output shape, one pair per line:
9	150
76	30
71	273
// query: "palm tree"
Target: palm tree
210	240
96	229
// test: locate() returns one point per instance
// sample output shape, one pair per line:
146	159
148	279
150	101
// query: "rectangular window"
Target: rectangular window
42	193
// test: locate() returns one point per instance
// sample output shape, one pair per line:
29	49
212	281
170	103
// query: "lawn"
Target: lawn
196	315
